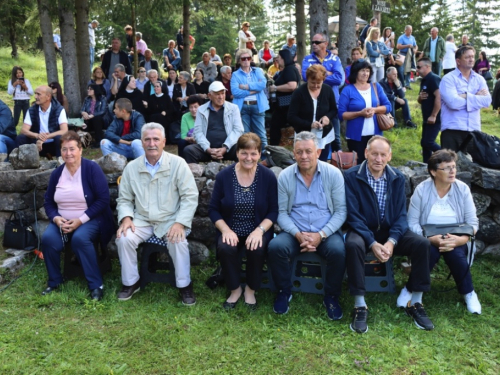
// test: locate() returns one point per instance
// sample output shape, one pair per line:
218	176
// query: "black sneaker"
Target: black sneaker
333	309
419	316
411	124
359	317
281	302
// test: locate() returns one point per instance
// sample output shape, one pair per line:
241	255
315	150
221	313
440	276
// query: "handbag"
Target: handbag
487	75
385	120
461	229
399	60
344	160
18	233
284	101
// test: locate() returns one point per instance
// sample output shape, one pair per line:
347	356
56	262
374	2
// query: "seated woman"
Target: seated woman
100	79
141	78
172	80
129	90
187	124
159	107
57	94
77	204
93	112
182	91
243	207
200	85
442	199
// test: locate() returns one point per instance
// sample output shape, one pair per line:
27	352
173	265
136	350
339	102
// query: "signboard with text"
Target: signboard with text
382	6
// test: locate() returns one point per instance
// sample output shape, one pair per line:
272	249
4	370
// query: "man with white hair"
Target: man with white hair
291	46
158	198
214	57
225	77
149	63
434	49
208	67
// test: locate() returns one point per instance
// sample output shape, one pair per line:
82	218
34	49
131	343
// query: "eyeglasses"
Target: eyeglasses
420	66
142	71
448	169
248	58
318	41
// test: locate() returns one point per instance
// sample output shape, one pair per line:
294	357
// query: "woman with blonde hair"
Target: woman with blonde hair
246	38
375	51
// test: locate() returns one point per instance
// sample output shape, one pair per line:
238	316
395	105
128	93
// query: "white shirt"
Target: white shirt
369	124
449	56
91	36
442	212
44	120
18	93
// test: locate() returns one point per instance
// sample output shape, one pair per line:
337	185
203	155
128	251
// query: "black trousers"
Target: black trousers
359	147
53	148
195	154
278	121
96	124
452	139
411	244
230	260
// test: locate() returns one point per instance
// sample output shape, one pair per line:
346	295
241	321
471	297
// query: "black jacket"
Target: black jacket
154	65
190	90
106	62
392	92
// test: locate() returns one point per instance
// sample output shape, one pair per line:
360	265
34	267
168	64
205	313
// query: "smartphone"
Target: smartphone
392	33
21	79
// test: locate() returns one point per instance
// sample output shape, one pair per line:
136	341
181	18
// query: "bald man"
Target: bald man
434	49
44	123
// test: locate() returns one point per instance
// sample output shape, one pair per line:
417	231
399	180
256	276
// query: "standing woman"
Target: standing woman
93	111
200	85
358	105
243	207
246	38
449	62
100	79
182	91
57	94
21	91
313	107
77	204
376	52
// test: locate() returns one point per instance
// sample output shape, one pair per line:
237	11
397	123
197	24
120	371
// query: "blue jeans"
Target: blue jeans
406	110
82	244
457	263
428	142
7	144
254	121
130	152
285	247
92	55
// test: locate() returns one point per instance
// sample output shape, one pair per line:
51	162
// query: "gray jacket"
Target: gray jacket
232	124
333	182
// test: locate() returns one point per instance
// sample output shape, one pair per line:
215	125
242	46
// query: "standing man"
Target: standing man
364	32
291	46
44	123
115	56
158	196
430	100
376	215
208	67
247	86
463	94
334	74
57	41
465	41
434	48
407	46
140	46
93	25
312	209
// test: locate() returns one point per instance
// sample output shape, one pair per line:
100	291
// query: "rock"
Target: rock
198	252
489	230
407	171
212	169
13	263
196	169
276	171
42	226
480	246
112	177
17	181
39	198
417	179
412	164
5	166
202	229
60	161
493	194
203	202
12	202
200	182
112	163
486	178
210	186
4	216
48	164
16	252
3	157
482	202
493	250
41	214
496	215
112	248
41	180
25	157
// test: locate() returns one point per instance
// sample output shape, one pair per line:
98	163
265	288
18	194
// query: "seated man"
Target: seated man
123	135
119	75
376	214
225	78
394	92
208	67
216	129
7	130
149	63
149	87
44	123
312	209
158	196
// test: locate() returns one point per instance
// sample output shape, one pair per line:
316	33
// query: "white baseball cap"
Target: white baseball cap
216	86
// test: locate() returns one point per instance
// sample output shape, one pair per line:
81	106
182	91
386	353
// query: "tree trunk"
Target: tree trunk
12	37
48	40
347	29
318	12
186	52
134	44
83	43
69	57
300	21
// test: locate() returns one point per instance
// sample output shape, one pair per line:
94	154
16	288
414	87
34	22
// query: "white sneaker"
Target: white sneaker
404	298
472	302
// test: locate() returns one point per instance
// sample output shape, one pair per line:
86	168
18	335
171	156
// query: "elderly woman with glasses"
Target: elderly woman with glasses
77	204
442	199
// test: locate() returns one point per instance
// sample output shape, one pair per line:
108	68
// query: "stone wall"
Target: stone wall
24	180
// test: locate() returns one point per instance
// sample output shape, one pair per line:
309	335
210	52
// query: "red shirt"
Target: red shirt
126	127
267	55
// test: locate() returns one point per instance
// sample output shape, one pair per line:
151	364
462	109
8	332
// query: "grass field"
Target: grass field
153	333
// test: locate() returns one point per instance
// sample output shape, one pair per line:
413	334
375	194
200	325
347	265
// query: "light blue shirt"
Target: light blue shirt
403	39
459	113
433	49
152	169
57	40
310	211
292	49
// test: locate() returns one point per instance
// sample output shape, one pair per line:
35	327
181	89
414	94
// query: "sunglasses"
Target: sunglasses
419	66
246	58
318	42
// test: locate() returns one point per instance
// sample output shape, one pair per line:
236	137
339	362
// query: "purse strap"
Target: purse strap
376	93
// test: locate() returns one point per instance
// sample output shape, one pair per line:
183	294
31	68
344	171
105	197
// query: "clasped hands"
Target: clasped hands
217	153
448	242
323	121
67	226
383	252
308	241
367	112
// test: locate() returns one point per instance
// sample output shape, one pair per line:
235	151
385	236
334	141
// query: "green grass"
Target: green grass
153	333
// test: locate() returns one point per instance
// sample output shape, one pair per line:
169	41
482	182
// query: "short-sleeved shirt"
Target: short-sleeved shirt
429	84
44	120
403	39
57	40
292	49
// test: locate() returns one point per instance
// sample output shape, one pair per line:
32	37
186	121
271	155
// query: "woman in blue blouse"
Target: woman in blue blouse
358	105
243	208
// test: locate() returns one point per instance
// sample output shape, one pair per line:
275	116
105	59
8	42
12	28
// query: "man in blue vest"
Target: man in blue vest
44	123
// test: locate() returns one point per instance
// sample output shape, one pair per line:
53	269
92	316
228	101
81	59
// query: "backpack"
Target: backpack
485	150
278	156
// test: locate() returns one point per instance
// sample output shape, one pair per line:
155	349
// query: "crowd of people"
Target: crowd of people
219	114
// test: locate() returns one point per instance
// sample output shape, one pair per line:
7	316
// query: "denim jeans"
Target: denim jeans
130	152
285	247
92	55
254	121
7	144
428	142
406	110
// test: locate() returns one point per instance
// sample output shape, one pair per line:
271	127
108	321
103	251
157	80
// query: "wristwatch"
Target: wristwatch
262	229
323	235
